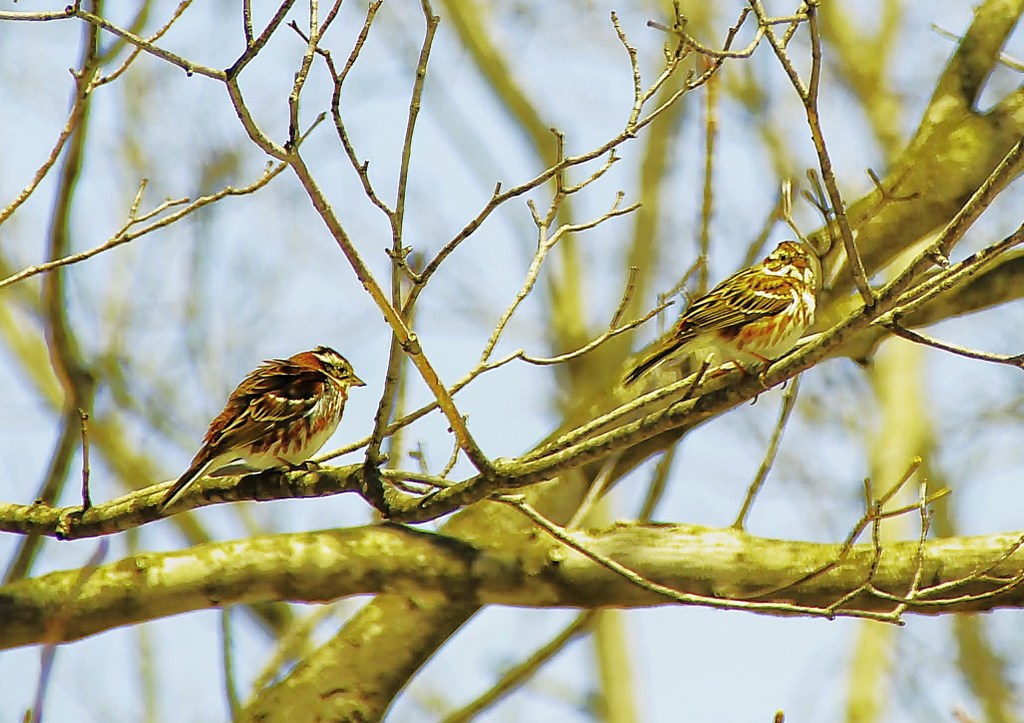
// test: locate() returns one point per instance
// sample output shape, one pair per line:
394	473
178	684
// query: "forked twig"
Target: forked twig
873	511
809	97
560	534
126	235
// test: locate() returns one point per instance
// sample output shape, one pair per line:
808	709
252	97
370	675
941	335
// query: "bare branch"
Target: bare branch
86	500
190	67
1015	360
137	50
72	123
544	245
126	235
518	675
788	404
663	590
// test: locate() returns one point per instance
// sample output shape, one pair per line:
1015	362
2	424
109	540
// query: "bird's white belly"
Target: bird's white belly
298	453
294	455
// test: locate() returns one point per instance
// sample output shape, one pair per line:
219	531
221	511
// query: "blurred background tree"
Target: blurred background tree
502	179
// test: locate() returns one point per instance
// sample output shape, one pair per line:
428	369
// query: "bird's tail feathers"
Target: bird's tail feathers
194	472
647	363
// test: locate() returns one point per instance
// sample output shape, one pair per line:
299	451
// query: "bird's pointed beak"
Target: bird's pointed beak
357	382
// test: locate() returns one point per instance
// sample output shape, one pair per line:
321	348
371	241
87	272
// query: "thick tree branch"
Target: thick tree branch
954	150
721	568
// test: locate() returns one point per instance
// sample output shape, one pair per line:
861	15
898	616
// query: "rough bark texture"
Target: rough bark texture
448	577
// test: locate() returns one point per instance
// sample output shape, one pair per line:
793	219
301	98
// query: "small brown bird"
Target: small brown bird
757	314
279	416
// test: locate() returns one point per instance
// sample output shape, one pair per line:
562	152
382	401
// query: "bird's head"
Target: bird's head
791	258
336	366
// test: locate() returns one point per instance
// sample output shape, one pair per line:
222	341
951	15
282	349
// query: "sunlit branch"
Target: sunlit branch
640	581
680	416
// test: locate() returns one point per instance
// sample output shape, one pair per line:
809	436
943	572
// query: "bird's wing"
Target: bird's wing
274	394
285	393
746	296
742	298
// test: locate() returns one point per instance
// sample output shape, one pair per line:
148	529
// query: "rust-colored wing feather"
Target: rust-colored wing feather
276	392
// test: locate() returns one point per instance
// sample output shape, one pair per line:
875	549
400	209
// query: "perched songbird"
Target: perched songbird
757	314
279	416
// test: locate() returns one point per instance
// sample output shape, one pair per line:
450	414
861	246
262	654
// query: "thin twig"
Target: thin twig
409	341
480	369
188	66
981	573
252	49
125	235
450	464
1008	60
360	167
86	500
399	253
544	245
788	404
518	675
74	119
634	65
567	539
872	511
809	97
595	342
595	492
575	435
919	558
137	51
690	42
1015	360
228	663
312	40
633	125
786	212
659	483
707	198
247	22
949	278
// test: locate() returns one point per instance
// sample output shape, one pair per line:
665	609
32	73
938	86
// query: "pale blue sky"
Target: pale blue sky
265	280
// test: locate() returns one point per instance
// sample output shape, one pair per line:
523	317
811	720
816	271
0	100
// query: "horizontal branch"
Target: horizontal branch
142	506
726	568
